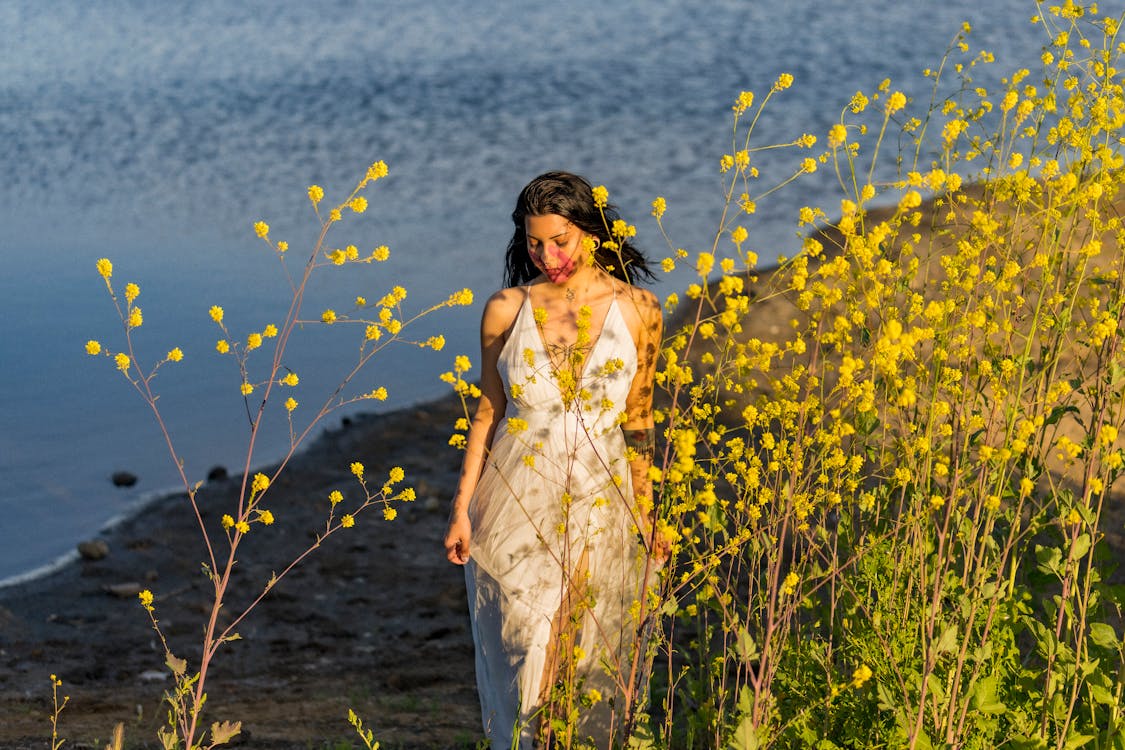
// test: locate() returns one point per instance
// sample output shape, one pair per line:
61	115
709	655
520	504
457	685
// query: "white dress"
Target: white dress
553	520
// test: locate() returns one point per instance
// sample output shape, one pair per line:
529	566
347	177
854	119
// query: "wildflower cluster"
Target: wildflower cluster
912	474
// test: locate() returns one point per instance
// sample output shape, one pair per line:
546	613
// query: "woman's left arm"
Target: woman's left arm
639	426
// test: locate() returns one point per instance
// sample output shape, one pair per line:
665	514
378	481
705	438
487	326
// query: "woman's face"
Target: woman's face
555	246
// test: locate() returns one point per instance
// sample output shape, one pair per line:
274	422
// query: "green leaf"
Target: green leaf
1101	695
745	647
222	733
985	697
178	666
1077	740
1049	559
1081	547
1104	635
947	641
745	736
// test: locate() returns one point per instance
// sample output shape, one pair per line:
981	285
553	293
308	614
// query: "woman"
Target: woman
551	514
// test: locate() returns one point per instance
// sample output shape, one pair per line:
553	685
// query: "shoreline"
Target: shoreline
375	620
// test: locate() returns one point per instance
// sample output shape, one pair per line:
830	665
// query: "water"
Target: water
156	134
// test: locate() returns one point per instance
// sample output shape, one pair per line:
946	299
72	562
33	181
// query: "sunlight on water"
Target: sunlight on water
156	135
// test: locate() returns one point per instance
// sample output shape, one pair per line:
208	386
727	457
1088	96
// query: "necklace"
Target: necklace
570	294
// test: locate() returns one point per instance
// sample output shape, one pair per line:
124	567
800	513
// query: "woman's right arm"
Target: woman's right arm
499	314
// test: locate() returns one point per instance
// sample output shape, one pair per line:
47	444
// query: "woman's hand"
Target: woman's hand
457	539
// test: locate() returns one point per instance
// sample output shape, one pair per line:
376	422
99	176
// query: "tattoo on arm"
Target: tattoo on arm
643	441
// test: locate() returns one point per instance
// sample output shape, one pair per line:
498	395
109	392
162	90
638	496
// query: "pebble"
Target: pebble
124	590
93	549
123	479
217	474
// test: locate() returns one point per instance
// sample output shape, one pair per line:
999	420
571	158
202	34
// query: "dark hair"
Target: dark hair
571	197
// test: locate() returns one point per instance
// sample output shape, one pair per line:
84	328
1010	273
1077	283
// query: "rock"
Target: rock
217	474
123	479
124	590
93	549
152	675
431	504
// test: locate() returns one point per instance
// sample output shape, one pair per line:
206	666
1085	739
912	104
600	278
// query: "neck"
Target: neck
581	282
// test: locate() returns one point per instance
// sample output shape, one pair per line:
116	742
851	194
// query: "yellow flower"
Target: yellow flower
668	265
290	404
808	165
246	389
316	194
895	102
1107	435
381	253
136	318
704	264
131	292
334	215
216	313
379	394
377	170
858	103
744	102
146	599
265	517
358	204
260	483
357	469
227	521
347	521
837	135
437	343
105	268
328	316
270	331
282	246
175	355
659	206
1074	517
242	527
461	363
253	341
389	513
93	347
861	675
601	196
221	346
738	236
261	228
122	362
784	81
789	585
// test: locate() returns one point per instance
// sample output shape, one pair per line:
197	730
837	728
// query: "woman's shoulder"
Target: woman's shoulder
642	301
641	311
501	309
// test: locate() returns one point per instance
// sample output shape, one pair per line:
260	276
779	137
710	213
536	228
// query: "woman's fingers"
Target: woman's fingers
457	550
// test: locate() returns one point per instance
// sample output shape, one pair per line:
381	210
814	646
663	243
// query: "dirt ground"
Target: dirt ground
375	620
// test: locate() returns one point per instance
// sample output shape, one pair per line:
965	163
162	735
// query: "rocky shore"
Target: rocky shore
374	620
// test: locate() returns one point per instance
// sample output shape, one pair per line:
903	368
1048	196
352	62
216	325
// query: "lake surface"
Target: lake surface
155	134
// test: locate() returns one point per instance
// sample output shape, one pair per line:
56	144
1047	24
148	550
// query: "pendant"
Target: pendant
570	295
